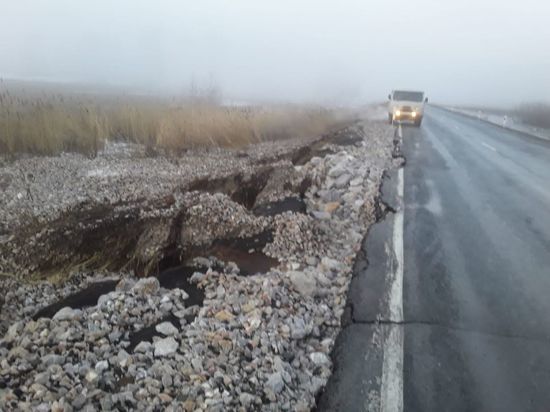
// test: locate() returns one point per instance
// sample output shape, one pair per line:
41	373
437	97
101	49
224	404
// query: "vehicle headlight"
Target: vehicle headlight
398	112
413	114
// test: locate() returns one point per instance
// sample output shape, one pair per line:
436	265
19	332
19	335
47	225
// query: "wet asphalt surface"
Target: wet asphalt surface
477	267
476	282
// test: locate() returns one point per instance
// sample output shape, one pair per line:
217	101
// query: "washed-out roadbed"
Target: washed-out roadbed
214	280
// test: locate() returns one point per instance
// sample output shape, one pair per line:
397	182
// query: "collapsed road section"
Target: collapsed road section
214	281
368	353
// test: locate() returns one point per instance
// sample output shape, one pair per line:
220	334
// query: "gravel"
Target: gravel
258	342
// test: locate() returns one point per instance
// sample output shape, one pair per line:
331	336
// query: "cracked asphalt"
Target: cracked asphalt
476	278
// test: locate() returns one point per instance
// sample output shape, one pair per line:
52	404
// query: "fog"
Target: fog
466	52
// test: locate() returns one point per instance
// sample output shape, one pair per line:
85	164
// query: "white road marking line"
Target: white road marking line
396	291
391	396
399	131
488	146
391	389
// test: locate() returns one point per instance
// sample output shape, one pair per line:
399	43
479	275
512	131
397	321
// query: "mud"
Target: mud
322	147
240	188
288	204
147	333
93	236
81	299
178	277
245	252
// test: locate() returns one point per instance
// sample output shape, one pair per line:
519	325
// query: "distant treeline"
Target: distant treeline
535	114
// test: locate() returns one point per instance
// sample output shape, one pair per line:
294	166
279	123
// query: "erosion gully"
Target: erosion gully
173	269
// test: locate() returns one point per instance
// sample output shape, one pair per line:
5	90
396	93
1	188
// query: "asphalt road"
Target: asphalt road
474	332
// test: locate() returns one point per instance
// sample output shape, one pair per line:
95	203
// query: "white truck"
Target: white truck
406	105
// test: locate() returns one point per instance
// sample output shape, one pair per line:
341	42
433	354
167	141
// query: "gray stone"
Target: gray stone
319	358
180	313
302	282
342	181
197	277
298	329
43	407
336	171
316	385
143	347
14	330
246	399
127	397
78	402
67	313
125	285
202	261
115	335
331	264
106	403
287	378
102	300
312	260
101	366
146	286
275	382
53	359
329	195
123	358
91	376
182	294
42	378
166	328
65	336
357	181
320	215
166	381
166	307
197	364
165	347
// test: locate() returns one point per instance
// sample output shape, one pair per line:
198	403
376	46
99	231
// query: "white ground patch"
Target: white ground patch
434	204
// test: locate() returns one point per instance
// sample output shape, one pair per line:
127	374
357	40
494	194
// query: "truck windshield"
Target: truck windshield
408	96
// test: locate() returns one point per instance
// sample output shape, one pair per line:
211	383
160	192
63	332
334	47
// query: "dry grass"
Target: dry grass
45	126
49	123
535	114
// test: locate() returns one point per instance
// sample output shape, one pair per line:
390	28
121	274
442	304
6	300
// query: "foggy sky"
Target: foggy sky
465	52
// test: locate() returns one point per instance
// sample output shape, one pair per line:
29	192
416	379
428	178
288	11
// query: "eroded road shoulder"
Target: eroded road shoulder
368	354
245	276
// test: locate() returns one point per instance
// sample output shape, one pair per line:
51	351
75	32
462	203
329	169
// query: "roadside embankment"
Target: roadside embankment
216	280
